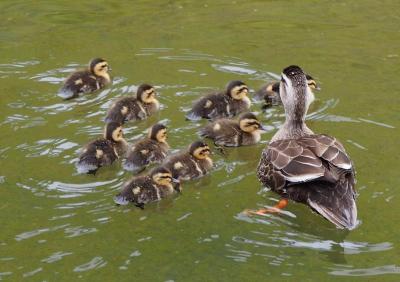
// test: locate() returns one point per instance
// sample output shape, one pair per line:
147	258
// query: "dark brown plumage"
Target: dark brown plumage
141	190
103	151
229	103
233	133
152	149
190	164
134	108
313	169
86	81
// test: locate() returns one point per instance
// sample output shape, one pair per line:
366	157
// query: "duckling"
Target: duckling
313	169
229	103
102	151
141	190
231	133
152	149
270	92
134	108
86	81
190	164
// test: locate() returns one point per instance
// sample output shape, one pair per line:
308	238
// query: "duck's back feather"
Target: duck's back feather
96	154
145	152
314	170
81	82
224	132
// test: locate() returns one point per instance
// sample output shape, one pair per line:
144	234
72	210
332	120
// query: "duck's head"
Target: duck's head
248	122
146	94
294	94
199	150
99	67
163	176
113	132
158	132
311	83
236	89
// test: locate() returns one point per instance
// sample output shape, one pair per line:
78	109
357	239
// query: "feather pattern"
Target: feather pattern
314	170
145	152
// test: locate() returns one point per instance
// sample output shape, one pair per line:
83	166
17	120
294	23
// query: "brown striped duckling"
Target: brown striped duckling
191	164
229	103
103	151
313	169
152	149
134	108
95	77
270	92
144	189
234	133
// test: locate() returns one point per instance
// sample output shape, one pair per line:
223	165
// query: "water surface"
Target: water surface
60	225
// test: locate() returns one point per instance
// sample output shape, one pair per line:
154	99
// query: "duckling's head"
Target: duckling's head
238	90
248	122
311	83
163	176
99	67
158	132
199	150
113	132
294	94
146	94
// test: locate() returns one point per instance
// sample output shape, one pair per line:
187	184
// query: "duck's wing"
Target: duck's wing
224	132
206	107
95	154
314	170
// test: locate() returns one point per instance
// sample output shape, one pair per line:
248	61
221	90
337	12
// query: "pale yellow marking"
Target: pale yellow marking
216	127
269	88
144	152
178	165
124	110
136	190
93	77
99	153
208	104
133	148
78	81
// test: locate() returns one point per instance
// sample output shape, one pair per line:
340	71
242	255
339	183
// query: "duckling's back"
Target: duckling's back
224	132
125	109
210	107
97	153
145	152
139	190
80	82
184	166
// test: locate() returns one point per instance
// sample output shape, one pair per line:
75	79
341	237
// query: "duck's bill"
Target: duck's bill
121	200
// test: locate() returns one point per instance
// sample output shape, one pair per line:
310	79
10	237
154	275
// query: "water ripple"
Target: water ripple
95	263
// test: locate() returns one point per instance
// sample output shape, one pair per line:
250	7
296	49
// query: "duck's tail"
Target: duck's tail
88	163
336	202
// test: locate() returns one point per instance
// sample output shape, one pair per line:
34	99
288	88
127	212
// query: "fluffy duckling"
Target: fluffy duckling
305	167
141	190
190	164
86	81
270	92
229	103
231	133
134	108
152	149
103	151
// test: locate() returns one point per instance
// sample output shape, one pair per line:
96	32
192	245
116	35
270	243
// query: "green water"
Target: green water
57	225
